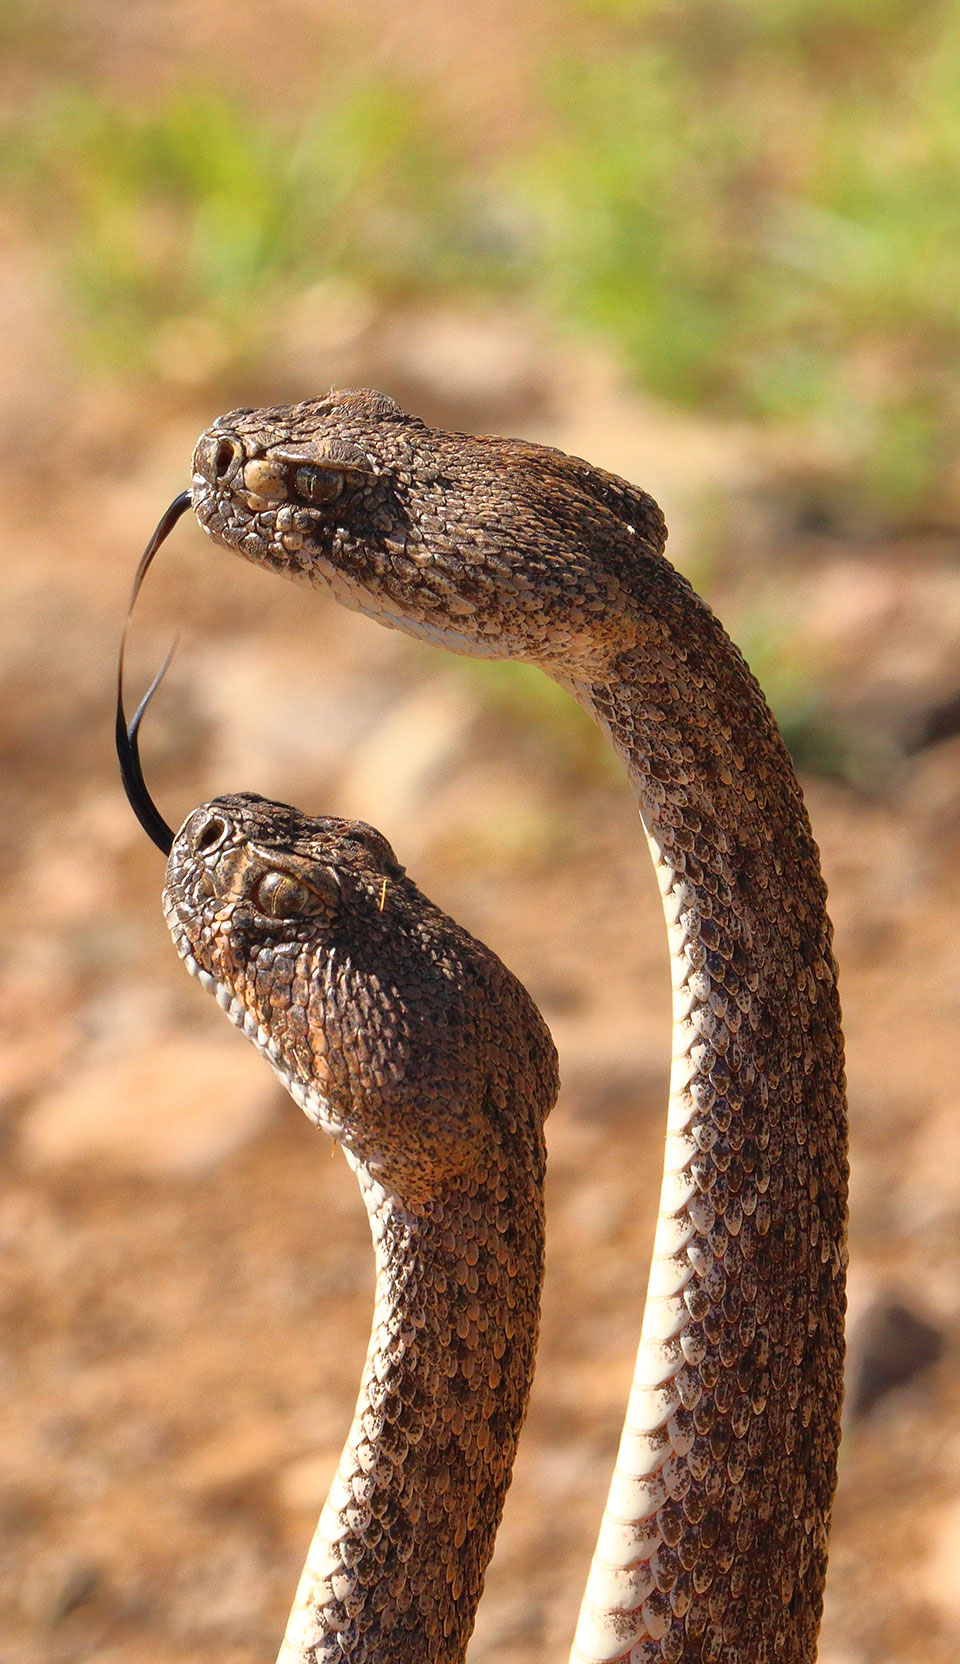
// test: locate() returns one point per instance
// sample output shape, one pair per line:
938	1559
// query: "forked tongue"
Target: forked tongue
127	733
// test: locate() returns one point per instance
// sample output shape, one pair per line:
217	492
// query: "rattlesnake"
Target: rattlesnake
713	1544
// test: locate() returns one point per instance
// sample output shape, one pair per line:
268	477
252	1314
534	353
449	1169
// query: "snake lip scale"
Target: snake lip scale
313	1104
712	1546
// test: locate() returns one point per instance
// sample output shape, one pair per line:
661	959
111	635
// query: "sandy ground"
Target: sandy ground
186	1273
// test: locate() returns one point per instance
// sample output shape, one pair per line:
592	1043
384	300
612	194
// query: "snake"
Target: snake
712	1546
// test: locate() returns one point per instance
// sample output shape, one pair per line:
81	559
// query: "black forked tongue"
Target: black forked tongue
177	508
128	751
127	733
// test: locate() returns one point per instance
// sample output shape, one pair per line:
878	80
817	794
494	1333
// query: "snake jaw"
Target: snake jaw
216	874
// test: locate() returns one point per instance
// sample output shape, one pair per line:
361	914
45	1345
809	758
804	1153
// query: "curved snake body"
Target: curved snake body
414	1047
713	1544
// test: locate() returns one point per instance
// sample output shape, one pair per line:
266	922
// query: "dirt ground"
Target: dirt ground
186	1273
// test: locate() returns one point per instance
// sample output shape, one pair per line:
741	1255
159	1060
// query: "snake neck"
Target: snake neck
713	1543
396	1567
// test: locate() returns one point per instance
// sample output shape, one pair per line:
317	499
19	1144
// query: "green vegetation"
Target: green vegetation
757	201
753	201
193	217
792	682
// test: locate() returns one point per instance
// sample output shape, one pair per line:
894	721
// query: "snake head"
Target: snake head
392	1028
492	547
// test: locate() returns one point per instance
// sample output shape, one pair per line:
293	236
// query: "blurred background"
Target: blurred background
712	246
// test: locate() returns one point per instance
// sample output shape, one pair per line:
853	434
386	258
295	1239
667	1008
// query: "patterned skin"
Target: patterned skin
423	1056
713	1545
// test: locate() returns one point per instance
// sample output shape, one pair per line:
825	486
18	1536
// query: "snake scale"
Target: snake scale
712	1548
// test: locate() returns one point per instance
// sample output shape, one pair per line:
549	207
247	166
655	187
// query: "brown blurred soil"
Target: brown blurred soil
185	1272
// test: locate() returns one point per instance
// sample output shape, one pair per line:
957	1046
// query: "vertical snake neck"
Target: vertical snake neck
712	1550
713	1543
417	1049
397	1564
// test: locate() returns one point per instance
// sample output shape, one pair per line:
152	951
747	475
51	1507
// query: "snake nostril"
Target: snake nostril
210	835
224	457
217	457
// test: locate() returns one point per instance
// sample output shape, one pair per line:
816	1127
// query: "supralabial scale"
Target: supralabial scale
412	1045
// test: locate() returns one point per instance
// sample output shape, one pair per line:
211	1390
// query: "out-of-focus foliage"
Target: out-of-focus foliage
792	682
196	216
528	699
757	201
753	201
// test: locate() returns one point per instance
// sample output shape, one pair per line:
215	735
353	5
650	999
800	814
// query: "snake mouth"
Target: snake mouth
220	512
184	947
269	532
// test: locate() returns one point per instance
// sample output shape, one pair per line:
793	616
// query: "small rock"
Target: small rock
889	1346
172	1107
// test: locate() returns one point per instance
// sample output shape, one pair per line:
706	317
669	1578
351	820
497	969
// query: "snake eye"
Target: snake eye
281	897
318	485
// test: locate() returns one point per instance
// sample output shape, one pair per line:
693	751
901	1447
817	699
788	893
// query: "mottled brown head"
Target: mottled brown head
489	546
394	1029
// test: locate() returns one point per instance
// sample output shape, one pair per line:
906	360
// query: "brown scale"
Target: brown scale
449	1147
510	550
